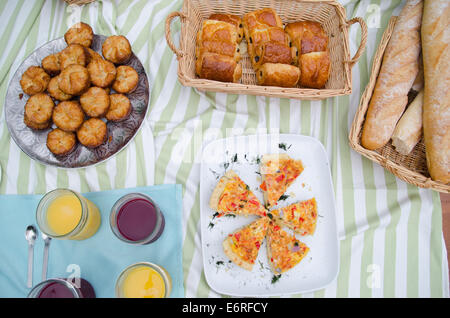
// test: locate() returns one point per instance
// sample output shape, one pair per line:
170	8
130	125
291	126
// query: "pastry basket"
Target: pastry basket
411	168
330	14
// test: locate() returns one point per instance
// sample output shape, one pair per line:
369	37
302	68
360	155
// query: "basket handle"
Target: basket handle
169	19
362	45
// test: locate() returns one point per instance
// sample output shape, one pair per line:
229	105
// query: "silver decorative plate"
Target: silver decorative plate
33	142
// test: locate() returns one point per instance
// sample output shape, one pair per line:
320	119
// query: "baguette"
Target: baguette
408	131
436	107
399	69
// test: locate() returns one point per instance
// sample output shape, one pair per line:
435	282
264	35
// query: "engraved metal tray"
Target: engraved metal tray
33	142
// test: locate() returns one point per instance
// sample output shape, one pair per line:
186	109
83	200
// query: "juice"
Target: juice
62	288
144	280
64	214
136	219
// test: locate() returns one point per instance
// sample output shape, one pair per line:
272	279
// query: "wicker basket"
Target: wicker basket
411	168
329	13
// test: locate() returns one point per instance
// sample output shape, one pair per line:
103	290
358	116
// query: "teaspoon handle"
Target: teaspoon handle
30	265
44	266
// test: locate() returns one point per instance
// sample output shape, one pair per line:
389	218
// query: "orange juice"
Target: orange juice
144	280
65	214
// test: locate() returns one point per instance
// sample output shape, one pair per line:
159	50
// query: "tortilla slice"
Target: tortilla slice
284	251
232	196
242	246
301	217
278	172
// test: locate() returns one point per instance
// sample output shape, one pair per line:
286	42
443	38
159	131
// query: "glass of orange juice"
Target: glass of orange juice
144	280
65	214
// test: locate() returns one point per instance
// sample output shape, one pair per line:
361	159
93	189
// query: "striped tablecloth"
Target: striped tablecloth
391	241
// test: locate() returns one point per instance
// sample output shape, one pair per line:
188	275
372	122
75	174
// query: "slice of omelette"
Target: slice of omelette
278	172
232	195
300	217
242	246
283	250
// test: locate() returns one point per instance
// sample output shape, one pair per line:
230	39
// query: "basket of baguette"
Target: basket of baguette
403	120
289	49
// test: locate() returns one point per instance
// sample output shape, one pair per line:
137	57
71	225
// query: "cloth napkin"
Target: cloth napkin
98	259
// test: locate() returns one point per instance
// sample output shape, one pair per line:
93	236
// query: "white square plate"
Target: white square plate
242	153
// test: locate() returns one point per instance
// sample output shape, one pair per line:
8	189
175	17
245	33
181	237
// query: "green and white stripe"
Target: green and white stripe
391	232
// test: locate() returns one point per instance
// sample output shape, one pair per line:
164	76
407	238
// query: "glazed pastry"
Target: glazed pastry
307	36
126	79
261	36
61	142
217	31
92	133
51	64
34	80
119	109
232	19
55	92
263	18
117	49
73	54
283	75
101	72
314	69
74	79
39	109
218	67
218	47
35	126
80	33
95	102
68	115
271	52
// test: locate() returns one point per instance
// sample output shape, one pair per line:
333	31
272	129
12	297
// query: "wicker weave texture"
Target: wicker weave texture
330	14
78	2
411	168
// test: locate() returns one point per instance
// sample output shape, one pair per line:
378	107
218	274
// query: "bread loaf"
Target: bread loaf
398	71
408	131
436	107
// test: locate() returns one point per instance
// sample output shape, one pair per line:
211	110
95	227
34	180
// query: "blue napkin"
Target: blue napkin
100	258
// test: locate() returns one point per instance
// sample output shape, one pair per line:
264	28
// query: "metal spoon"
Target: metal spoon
30	235
47	240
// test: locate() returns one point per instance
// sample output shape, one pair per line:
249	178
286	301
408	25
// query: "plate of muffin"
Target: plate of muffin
77	100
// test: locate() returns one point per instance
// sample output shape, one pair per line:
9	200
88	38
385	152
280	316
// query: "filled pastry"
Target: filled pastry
116	49
271	52
74	79
38	111
314	69
307	36
73	54
95	102
92	133
55	92
232	19
68	115
126	79
218	67
51	64
80	33
119	108
101	72
61	142
34	80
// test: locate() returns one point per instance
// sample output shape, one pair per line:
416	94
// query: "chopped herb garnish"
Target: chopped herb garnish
211	225
219	263
296	244
275	278
257	172
258	159
247	187
226	165
229	215
283	197
284	146
216	215
235	158
270	215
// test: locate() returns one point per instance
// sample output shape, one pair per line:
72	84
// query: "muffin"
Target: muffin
116	49
74	79
51	64
61	142
92	133
126	79
34	80
95	102
119	108
39	109
73	54
55	92
80	33
102	73
68	115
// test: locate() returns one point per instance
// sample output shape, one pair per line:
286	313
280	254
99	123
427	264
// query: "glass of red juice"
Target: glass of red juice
62	288
136	219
